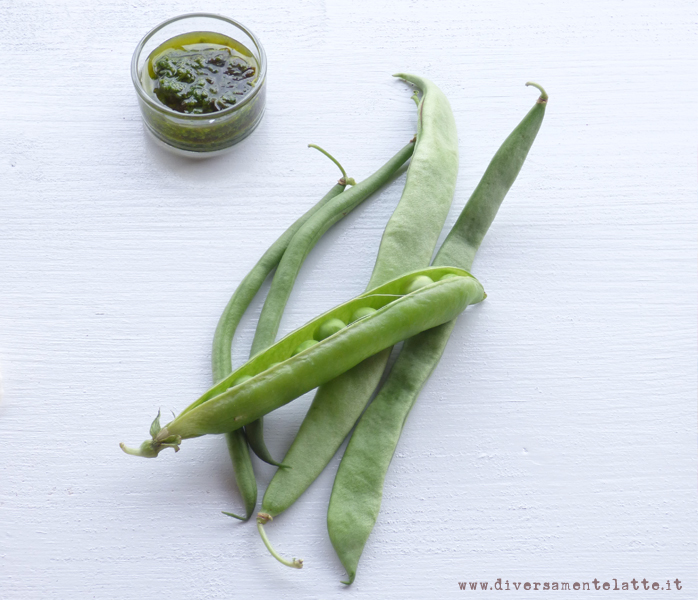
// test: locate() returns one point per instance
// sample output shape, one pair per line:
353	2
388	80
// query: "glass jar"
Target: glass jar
208	134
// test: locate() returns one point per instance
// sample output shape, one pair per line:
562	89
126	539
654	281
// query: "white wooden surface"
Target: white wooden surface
557	439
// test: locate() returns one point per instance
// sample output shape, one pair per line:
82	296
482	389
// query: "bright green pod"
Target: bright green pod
369	301
397	317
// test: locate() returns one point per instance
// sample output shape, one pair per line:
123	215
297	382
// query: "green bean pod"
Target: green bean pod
407	244
279	375
358	488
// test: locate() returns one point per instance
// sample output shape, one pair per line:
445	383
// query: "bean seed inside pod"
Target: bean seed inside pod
360	313
304	346
417	283
328	328
240	380
448	276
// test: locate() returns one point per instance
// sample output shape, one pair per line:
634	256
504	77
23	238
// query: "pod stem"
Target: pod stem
263	518
234	516
161	439
344	180
151	448
543	96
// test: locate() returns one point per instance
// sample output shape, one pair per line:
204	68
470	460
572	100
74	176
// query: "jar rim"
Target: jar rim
143	95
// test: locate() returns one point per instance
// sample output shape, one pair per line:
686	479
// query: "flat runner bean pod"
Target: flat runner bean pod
304	240
358	487
279	376
407	244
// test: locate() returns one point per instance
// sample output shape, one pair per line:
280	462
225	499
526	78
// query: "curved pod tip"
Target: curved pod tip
543	95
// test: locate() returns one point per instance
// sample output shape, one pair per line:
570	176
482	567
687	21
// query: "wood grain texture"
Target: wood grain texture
556	440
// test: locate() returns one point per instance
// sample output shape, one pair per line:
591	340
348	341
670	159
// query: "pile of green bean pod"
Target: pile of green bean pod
358	488
344	352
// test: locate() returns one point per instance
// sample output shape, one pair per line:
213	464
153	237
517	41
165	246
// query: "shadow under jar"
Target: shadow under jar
201	83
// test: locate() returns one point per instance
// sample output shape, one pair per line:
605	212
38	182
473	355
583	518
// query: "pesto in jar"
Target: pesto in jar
207	92
200	72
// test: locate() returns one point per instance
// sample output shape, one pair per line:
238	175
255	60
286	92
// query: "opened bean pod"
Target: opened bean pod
229	405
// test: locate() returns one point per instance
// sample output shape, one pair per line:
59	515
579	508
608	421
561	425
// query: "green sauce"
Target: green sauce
200	72
211	90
